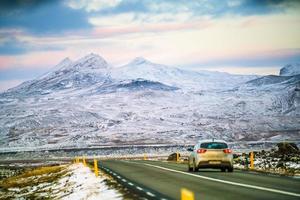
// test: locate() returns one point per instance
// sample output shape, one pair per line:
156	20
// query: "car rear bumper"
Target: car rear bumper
214	164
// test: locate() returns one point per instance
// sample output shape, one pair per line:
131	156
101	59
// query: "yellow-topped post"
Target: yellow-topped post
145	157
251	160
177	157
187	194
83	161
96	168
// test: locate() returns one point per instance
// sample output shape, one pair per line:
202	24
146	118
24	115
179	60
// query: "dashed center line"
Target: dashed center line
150	194
139	188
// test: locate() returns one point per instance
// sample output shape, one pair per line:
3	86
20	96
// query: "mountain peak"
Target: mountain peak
93	61
64	62
93	56
138	61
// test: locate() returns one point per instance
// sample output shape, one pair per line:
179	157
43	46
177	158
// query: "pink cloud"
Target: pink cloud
6	62
162	27
32	60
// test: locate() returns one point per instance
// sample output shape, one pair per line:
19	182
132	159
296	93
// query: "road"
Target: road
162	180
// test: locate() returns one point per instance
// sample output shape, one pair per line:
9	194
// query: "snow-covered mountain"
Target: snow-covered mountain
202	80
290	70
284	88
83	73
88	102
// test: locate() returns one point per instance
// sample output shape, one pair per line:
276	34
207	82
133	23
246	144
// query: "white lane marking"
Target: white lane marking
118	177
150	194
130	183
223	181
124	180
139	188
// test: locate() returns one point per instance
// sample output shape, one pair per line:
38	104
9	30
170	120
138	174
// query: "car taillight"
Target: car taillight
201	150
227	151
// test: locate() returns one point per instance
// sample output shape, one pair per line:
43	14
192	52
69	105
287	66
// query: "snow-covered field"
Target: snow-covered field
90	103
86	185
73	182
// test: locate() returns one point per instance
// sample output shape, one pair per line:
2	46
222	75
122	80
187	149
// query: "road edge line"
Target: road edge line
223	181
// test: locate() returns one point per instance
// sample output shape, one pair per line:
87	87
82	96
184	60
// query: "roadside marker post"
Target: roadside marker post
96	168
187	194
177	157
83	161
251	160
145	157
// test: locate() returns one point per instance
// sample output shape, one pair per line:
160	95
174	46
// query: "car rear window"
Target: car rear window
214	145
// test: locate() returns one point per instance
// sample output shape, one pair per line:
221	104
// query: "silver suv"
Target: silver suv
211	154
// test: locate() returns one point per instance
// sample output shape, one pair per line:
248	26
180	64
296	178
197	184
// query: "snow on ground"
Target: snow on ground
72	182
86	185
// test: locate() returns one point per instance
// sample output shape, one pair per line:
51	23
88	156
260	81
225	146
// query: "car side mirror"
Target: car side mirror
190	149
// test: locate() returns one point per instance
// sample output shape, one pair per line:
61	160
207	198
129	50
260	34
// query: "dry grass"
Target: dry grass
34	177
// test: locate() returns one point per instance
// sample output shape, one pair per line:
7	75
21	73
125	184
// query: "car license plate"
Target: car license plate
214	162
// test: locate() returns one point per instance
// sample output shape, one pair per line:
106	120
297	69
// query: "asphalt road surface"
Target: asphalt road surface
162	180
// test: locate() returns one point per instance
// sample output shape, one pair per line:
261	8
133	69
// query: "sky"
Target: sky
235	36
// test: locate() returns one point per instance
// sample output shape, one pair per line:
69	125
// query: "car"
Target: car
211	154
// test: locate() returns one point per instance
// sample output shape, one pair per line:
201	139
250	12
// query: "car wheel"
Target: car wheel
195	168
230	169
223	169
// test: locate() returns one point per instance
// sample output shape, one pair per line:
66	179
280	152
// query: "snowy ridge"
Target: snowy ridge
204	80
274	80
290	70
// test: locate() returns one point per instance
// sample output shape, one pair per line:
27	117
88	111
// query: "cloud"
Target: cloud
31	60
138	19
279	57
41	17
15	6
14	42
92	5
212	8
149	28
12	47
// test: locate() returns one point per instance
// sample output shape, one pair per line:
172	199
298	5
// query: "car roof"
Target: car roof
211	140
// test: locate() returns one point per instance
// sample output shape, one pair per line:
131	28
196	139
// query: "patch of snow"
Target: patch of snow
86	186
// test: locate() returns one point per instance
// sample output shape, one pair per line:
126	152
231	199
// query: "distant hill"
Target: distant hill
290	70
